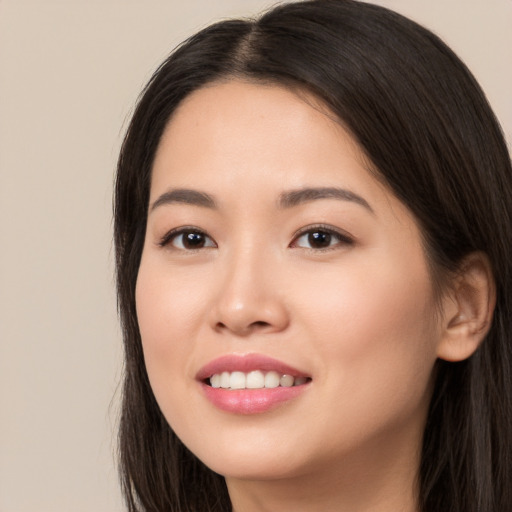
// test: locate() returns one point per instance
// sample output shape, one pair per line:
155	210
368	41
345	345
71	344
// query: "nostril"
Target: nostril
243	330
259	324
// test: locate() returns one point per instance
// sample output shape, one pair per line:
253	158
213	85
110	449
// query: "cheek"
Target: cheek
165	303
376	330
370	297
165	312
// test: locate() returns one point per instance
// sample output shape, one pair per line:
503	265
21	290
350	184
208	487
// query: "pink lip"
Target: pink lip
246	363
248	401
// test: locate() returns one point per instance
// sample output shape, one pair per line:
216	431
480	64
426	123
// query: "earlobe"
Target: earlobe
468	308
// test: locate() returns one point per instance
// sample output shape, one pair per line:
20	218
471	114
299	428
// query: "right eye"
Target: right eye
187	239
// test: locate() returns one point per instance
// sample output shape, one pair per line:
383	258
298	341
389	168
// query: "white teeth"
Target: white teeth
237	380
286	381
272	380
224	380
254	380
215	381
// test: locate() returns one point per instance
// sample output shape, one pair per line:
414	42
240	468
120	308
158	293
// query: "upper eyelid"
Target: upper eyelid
323	227
344	239
169	235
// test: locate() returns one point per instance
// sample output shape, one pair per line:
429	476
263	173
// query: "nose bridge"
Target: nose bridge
248	298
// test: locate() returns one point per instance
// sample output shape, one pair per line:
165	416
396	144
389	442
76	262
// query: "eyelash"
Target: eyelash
175	233
342	238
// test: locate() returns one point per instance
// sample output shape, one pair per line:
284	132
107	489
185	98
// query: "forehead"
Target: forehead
227	128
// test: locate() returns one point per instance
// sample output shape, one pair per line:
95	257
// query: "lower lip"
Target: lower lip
251	401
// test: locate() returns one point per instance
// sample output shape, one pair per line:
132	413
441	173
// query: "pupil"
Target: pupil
193	240
319	239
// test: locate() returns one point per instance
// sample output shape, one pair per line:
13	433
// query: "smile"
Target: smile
256	379
251	383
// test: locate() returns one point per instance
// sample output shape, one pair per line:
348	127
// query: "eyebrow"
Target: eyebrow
287	199
292	198
186	196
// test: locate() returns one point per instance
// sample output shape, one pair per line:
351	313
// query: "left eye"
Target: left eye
320	238
188	239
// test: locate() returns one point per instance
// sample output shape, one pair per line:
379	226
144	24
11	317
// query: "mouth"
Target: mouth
256	379
251	383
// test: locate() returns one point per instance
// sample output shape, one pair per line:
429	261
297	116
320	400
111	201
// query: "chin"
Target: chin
254	457
260	468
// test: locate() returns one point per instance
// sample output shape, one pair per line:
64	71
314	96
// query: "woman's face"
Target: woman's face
271	250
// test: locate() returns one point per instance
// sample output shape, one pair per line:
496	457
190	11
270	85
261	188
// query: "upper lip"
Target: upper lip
246	363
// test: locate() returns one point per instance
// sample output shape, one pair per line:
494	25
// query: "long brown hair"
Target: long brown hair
425	124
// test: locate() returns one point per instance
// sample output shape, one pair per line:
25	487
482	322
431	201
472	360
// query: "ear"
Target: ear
468	308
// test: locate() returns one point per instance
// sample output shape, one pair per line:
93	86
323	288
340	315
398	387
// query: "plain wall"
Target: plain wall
70	72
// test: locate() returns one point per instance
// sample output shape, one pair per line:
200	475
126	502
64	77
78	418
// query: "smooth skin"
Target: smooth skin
338	287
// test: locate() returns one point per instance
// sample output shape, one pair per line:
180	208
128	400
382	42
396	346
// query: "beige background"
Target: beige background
69	74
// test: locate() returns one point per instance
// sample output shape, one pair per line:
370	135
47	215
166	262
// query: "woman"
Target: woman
312	226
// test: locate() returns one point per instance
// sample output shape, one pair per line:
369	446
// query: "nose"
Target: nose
249	298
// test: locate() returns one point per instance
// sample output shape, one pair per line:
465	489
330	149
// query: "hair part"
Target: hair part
425	125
